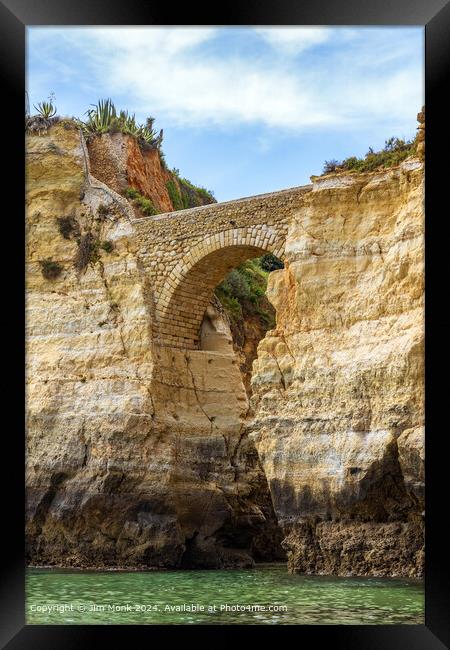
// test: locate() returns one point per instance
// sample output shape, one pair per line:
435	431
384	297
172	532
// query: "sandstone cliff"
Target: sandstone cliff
143	455
338	385
118	161
136	455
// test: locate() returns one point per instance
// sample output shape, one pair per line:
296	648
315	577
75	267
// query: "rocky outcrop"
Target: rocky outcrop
118	161
143	455
121	163
218	332
136	455
338	386
421	134
246	338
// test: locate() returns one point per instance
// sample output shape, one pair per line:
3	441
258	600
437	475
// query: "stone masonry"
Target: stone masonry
188	253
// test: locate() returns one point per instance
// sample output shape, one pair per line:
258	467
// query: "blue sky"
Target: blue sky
245	110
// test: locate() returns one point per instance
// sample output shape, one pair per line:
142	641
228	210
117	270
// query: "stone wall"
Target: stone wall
187	254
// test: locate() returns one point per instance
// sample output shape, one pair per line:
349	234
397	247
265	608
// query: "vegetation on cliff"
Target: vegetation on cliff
185	194
395	150
242	294
103	118
44	118
144	204
89	240
68	227
50	269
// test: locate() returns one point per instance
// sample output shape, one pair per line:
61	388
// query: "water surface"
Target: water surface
265	595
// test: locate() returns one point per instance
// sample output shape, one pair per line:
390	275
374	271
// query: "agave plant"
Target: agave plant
46	110
130	125
45	117
145	135
148	135
100	117
103	118
149	123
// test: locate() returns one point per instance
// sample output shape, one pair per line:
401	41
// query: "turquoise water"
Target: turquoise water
57	596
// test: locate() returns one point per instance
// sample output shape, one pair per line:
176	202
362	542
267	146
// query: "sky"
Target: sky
245	110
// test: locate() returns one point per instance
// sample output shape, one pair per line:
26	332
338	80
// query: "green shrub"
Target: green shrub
269	262
50	269
46	109
395	150
144	204
131	193
174	195
193	196
185	194
147	135
163	160
68	227
100	118
44	118
102	210
206	194
107	246
103	118
242	294
231	304
330	166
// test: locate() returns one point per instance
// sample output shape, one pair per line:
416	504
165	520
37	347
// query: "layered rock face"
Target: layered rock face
118	161
137	456
338	386
140	455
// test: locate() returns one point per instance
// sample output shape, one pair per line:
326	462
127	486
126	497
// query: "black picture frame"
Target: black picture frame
434	15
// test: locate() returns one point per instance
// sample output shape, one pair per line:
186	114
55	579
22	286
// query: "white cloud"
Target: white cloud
195	78
193	91
293	40
168	41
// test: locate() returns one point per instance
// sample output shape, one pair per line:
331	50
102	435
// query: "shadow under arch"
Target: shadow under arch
191	283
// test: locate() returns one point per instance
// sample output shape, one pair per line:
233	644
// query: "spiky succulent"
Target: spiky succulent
103	118
45	117
128	124
100	117
45	110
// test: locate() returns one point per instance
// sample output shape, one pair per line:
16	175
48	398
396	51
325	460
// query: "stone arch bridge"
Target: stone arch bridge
187	253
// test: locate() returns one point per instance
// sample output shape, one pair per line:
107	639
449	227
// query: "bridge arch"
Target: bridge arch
189	286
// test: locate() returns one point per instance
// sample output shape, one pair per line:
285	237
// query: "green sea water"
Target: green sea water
264	595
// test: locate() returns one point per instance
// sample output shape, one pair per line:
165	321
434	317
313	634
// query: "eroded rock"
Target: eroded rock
142	455
338	386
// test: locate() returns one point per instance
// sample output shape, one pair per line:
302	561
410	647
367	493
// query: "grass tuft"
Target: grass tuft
50	269
395	150
107	246
68	227
144	204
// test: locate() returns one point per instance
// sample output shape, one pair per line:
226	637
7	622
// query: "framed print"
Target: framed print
229	223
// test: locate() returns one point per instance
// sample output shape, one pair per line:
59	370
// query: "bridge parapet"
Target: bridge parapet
271	208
